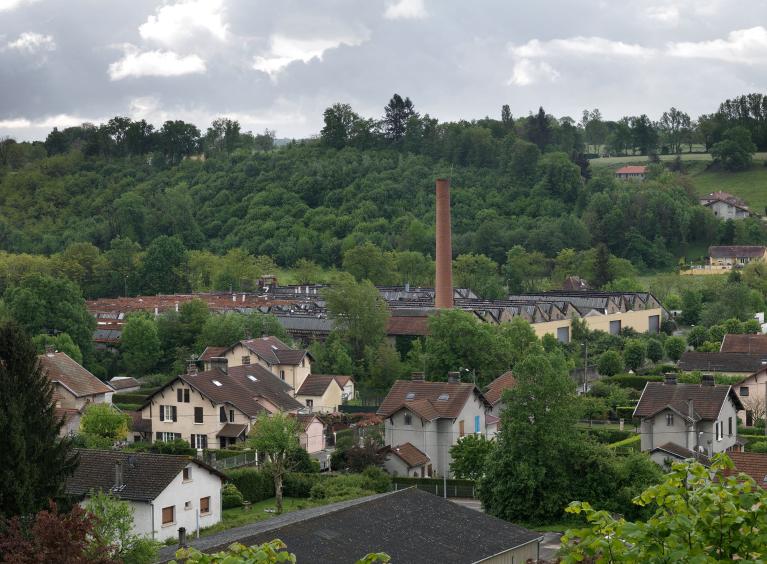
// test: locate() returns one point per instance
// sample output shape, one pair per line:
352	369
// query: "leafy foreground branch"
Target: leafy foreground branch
268	553
703	515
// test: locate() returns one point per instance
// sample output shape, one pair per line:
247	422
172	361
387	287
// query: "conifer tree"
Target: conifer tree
34	460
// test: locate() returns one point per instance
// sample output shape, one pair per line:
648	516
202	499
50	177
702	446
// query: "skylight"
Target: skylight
217	383
444	397
253	378
410	395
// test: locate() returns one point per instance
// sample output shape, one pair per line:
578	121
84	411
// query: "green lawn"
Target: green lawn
751	185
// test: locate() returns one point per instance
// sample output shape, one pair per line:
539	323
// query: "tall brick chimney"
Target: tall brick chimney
443	284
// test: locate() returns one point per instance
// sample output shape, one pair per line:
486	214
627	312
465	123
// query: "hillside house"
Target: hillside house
744	343
631	172
729	364
216	408
735	256
432	416
494	395
74	388
125	384
752	391
321	393
726	206
683	420
166	492
289	364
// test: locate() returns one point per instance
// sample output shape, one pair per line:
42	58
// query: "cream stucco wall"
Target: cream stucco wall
754	401
638	320
185	415
328	402
293	375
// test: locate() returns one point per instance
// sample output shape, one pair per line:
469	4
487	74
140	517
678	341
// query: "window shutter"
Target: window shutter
162	413
186	396
158	436
180	395
177	436
173	413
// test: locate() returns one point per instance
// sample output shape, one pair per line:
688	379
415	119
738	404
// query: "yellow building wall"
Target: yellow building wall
637	320
550	327
329	401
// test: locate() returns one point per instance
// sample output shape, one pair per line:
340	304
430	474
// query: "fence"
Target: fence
455	488
244	459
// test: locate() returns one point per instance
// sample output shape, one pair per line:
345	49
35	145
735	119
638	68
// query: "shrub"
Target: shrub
675	346
254	484
633	381
654	350
634	353
298	484
377	479
179	446
608	436
625	411
346	486
757	446
610	363
231	496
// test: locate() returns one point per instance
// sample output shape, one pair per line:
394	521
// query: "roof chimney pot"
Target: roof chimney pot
221	363
453	377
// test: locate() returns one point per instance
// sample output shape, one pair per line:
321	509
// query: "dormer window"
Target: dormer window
245	359
410	396
217	383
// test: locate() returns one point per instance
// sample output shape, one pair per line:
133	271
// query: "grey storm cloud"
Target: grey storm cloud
277	65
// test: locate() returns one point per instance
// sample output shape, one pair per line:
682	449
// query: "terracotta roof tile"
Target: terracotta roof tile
138	423
409	454
424	398
212	352
744	344
751	463
406	325
706	400
495	389
631	169
64	370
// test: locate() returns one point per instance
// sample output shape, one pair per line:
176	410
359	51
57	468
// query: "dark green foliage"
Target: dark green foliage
654	350
633	381
469	456
255	485
735	151
34	461
299	485
163	266
178	446
610	363
634	353
675	347
231	496
300	461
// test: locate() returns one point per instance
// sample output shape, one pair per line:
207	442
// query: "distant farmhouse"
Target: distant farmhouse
631	173
726	206
723	258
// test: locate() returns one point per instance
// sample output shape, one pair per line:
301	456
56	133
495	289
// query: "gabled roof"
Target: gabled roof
751	344
631	169
409	454
240	386
145	475
722	362
62	369
736	251
429	400
306	419
232	430
409	525
273	351
751	463
343	380
212	352
316	385
682	453
138	423
495	389
120	383
707	401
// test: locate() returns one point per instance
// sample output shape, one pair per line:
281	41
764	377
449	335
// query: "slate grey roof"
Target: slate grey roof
410	525
145	475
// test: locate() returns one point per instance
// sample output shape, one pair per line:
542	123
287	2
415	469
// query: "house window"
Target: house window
309	403
169	515
461	430
166	437
231	416
654	324
204	505
187	472
245	359
744	391
408	419
187	505
563	334
182	395
670	419
282	374
168	413
199	441
222	414
729	426
615	327
749	418
198	415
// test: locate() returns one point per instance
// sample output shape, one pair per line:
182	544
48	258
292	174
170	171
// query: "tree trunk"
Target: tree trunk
278	491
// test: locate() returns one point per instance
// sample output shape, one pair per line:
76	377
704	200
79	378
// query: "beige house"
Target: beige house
631	172
752	392
322	393
216	408
735	256
74	388
290	365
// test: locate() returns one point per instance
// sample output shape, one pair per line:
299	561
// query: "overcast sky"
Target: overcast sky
279	63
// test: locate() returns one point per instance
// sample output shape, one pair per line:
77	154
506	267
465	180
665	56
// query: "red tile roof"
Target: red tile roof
495	389
409	454
212	352
706	400
631	169
744	344
407	325
751	463
683	453
63	370
423	398
315	385
343	380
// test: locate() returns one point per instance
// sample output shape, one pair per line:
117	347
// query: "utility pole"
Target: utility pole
585	367
126	285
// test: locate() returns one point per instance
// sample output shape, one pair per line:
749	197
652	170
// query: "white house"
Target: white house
726	206
431	417
494	395
693	418
166	492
